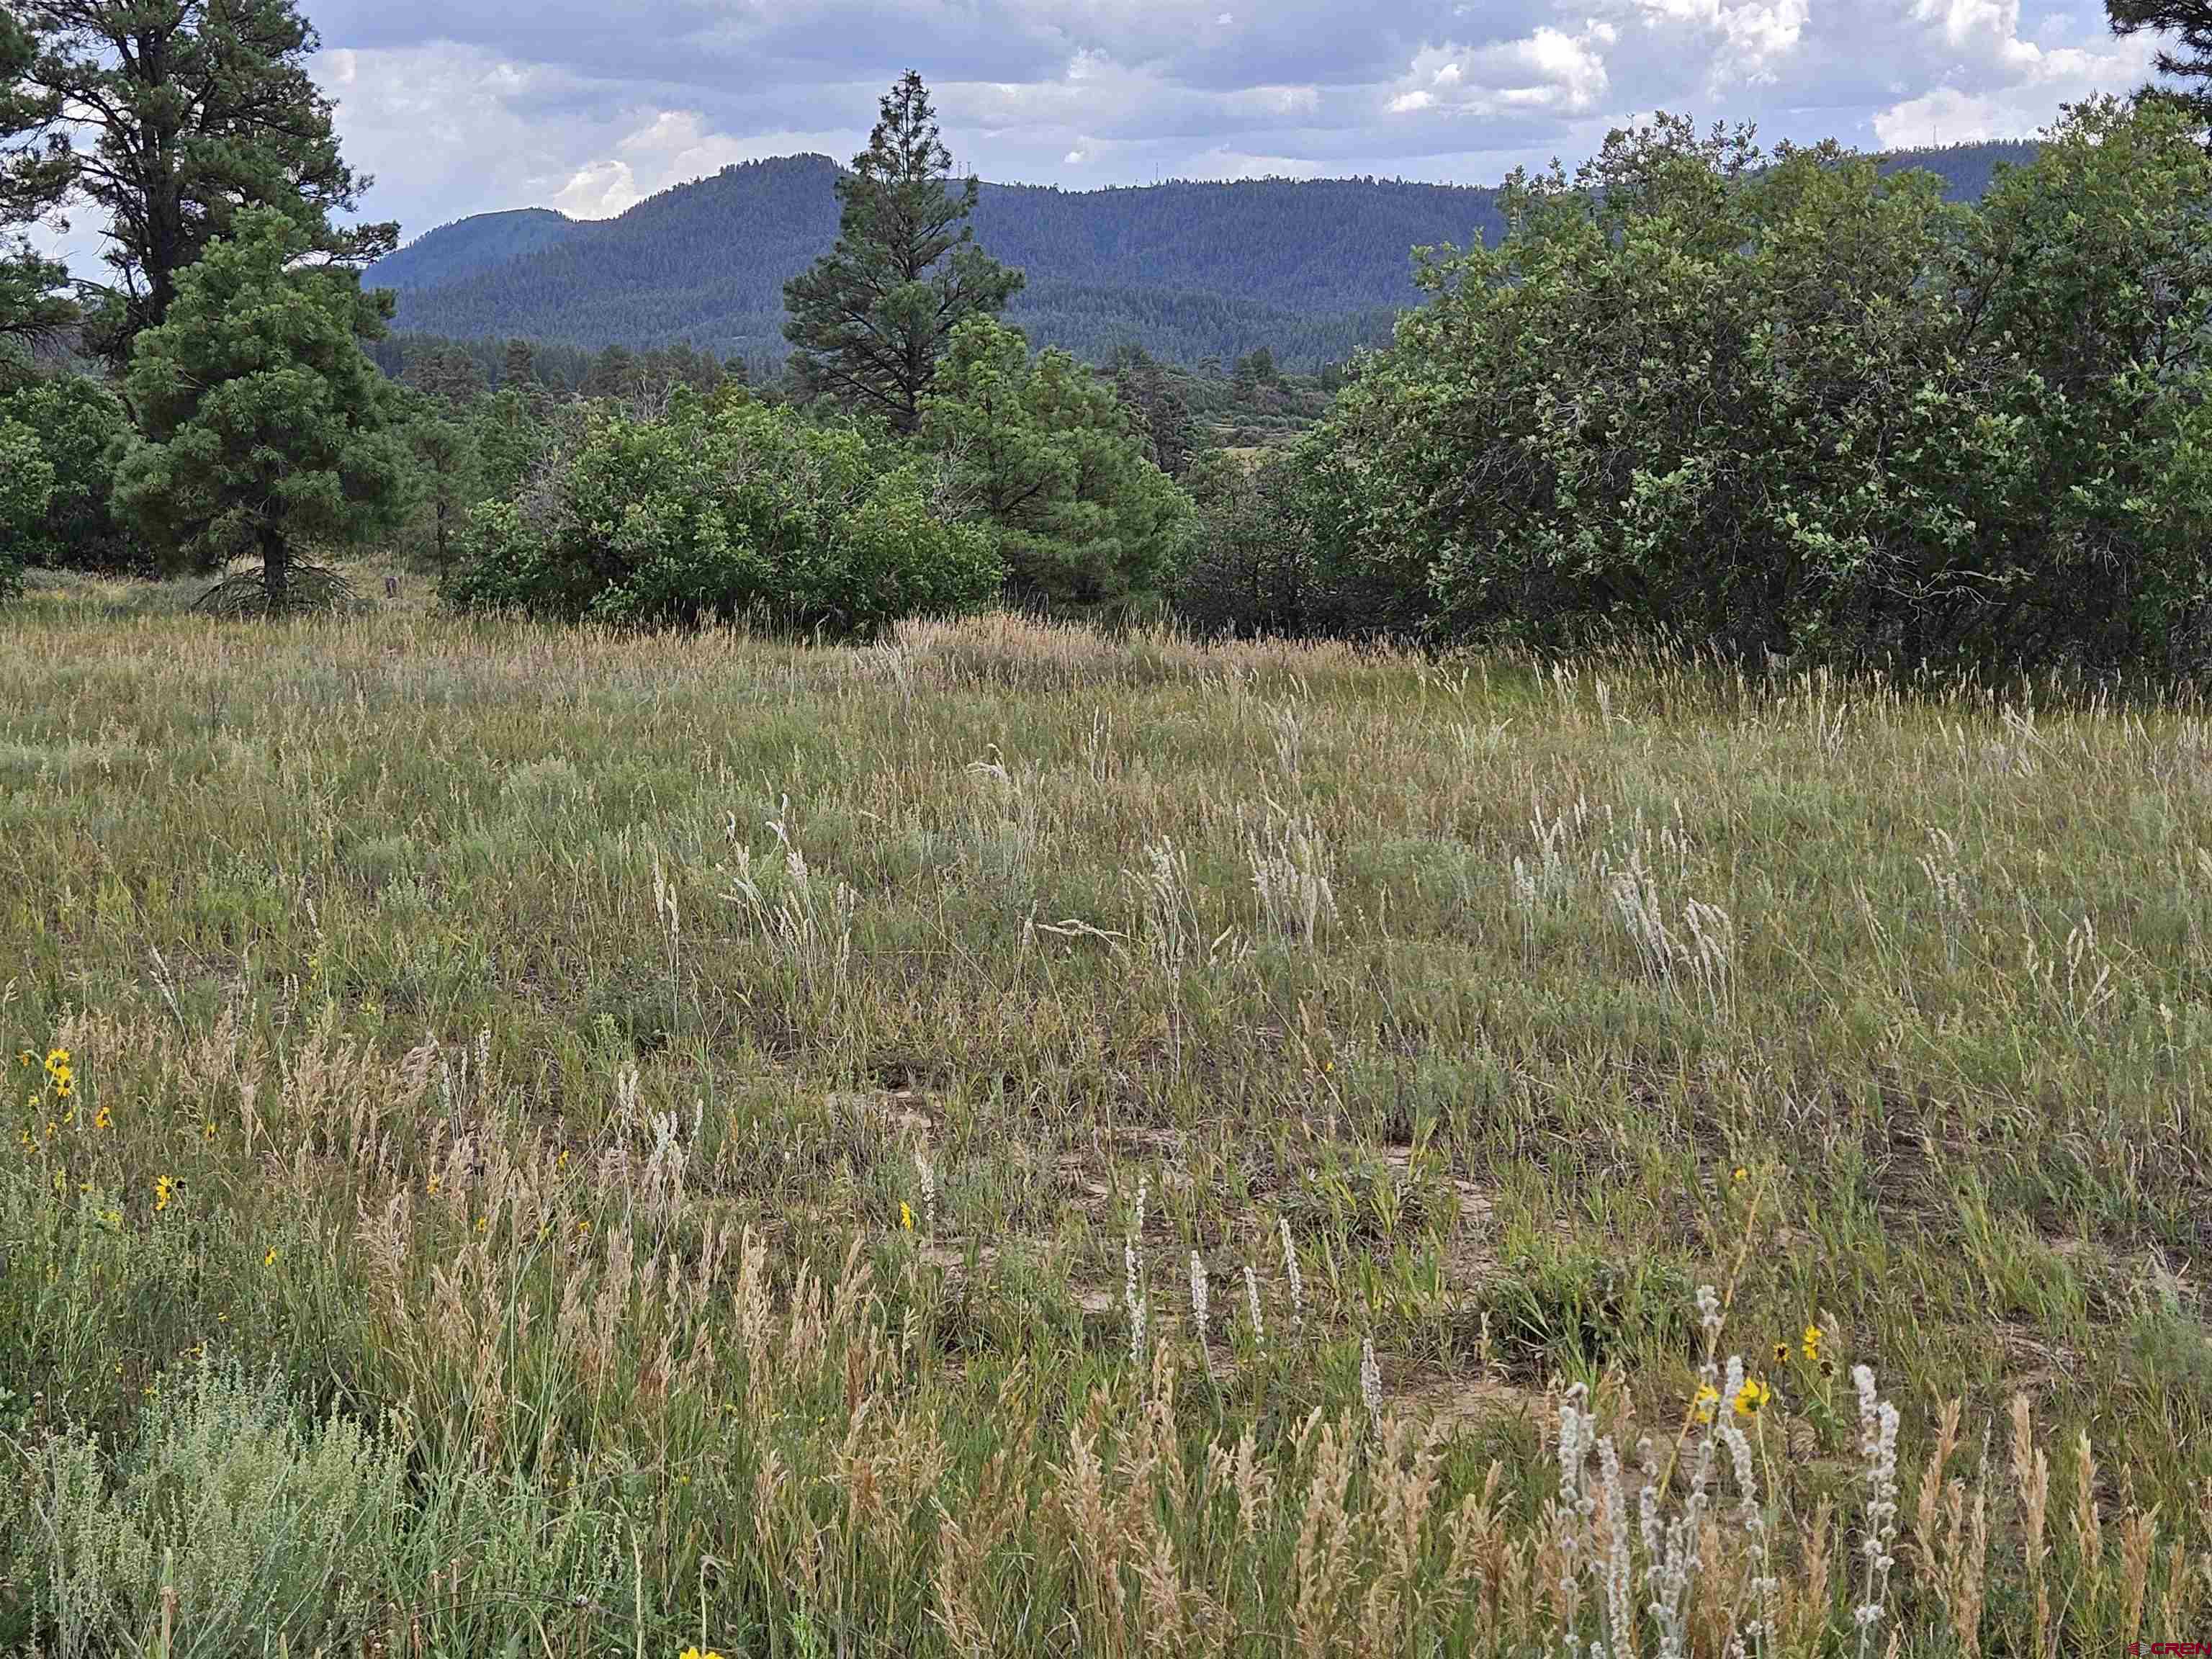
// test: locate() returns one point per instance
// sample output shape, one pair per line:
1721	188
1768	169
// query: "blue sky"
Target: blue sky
461	105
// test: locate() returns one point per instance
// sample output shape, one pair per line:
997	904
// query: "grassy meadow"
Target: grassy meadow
539	1142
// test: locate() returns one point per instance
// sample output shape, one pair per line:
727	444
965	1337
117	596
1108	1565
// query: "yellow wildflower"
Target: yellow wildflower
102	1120
906	1216
1752	1397
63	1089
268	1256
1811	1344
691	1653
57	1057
165	1187
1703	1402
1739	1174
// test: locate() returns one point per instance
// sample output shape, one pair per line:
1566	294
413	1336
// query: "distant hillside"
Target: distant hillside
456	251
1968	170
1310	269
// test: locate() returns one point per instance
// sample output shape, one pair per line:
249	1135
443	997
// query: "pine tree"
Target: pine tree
35	172
197	110
446	475
518	367
2188	60
873	317
448	374
1084	523
614	373
264	427
1161	418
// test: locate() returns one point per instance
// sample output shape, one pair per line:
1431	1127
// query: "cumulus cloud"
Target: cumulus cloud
470	105
1994	84
1743	42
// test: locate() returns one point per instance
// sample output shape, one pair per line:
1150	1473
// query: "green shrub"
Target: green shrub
1278	548
81	427
736	511
26	484
261	1522
1794	404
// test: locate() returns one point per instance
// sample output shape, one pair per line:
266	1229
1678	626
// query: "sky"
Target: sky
460	106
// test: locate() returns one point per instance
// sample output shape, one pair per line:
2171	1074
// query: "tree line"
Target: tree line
1797	402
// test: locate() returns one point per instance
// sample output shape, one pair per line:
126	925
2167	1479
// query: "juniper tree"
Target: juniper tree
196	110
874	315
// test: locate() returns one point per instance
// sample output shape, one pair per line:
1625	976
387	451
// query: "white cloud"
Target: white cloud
1997	85
479	104
599	192
1547	70
1743	42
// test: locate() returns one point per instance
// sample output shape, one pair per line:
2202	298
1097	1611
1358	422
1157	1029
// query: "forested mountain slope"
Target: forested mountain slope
1309	269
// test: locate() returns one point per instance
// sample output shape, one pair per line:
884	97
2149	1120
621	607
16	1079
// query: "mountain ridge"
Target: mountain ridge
1311	269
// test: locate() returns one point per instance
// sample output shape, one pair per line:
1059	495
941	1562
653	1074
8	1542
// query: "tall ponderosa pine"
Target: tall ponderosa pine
35	172
197	109
2189	58
874	315
267	430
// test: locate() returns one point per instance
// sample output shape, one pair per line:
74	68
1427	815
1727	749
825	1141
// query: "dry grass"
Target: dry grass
758	1279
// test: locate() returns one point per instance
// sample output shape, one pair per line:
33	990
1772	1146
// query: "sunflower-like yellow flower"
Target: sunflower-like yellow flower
165	1188
1703	1402
1810	1342
1752	1397
268	1256
906	1216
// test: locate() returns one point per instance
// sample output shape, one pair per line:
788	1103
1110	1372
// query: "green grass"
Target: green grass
543	1030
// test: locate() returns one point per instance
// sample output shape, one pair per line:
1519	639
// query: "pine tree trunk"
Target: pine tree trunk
275	569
